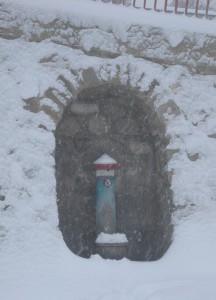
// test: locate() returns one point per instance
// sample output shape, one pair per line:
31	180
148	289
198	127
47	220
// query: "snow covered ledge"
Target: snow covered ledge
114	238
99	31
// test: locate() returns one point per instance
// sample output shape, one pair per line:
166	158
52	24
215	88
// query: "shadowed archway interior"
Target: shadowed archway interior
114	120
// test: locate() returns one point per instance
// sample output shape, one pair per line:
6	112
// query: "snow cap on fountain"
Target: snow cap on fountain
105	162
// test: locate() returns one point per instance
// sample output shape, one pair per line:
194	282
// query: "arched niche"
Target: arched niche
114	120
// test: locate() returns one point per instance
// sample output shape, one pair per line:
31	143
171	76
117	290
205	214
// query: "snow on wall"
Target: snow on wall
31	246
171	41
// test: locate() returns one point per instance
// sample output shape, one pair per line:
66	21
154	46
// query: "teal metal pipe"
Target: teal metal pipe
105	194
105	204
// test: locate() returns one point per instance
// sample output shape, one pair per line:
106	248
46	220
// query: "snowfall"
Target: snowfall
35	263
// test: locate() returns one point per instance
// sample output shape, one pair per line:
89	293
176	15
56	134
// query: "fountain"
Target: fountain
109	244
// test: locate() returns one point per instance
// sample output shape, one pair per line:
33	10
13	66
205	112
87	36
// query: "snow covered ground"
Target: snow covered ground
34	260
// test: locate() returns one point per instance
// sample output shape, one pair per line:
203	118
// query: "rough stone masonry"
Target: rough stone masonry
114	120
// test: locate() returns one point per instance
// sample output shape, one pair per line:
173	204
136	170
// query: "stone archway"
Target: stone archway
113	119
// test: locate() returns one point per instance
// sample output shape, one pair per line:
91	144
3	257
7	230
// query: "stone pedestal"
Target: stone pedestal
112	251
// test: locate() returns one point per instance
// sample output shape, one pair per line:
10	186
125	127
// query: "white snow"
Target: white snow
105	159
35	263
114	238
48	102
175	38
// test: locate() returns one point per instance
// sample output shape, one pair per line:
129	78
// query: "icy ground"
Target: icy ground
35	263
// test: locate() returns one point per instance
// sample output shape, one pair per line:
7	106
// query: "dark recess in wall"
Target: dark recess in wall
114	120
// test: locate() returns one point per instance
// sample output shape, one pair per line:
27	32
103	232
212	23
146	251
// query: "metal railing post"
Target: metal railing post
155	5
176	6
186	7
197	8
165	5
144	4
134	3
207	8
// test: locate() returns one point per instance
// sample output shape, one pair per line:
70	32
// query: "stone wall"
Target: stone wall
167	46
110	102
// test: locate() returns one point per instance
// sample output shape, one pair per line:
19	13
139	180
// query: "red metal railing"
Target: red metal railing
176	9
